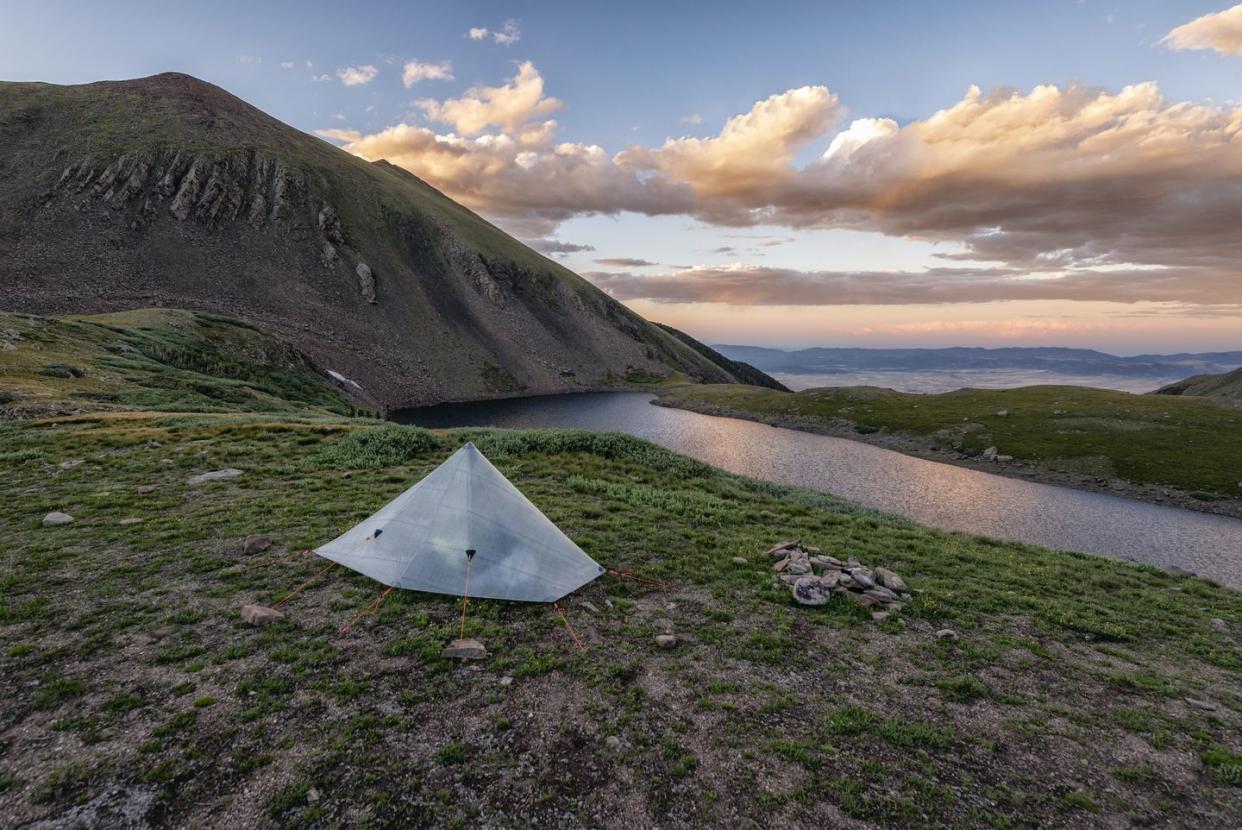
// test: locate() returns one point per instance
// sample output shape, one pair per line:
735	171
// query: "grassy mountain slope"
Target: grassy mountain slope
120	645
1227	385
168	191
744	372
156	359
1159	448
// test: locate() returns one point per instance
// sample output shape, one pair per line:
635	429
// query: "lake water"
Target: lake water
934	381
931	493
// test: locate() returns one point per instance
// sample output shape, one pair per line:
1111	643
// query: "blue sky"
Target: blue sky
637	74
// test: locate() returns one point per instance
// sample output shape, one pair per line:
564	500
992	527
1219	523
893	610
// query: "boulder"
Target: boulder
256	544
781	564
989	454
890	580
260	614
826	563
862	578
798	568
57	518
830	579
214	475
865	600
810	591
366	282
666	640
881	593
465	649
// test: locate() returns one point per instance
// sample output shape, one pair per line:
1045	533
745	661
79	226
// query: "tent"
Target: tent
465	521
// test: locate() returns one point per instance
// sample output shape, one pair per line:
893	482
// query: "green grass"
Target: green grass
123	642
1192	444
156	359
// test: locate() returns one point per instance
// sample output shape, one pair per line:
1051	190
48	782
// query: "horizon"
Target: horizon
1064	175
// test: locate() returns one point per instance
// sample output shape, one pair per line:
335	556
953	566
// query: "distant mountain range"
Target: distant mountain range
1057	360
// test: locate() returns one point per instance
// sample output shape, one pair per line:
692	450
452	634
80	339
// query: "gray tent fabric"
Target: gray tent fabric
419	540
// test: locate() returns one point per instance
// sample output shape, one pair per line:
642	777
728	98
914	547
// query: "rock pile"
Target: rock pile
815	577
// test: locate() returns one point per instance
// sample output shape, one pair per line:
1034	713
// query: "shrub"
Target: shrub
375	447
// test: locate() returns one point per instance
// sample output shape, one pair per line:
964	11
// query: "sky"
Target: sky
1062	172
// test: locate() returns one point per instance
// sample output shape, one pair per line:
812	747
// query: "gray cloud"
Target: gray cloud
626	262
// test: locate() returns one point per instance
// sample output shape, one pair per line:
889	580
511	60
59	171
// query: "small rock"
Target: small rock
879	616
1201	704
781	565
256	544
70	464
1004	413
612	742
260	614
825	563
312	796
145	488
506	681
810	591
57	518
830	579
990	454
666	640
740	560
798	568
590	606
1004	458
862	578
465	649
890	580
881	593
790	579
132	520
1217	622
366	282
215	475
782	549
946	634
865	600
852	562
153	444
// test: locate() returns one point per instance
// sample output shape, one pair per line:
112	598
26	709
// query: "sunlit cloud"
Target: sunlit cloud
478	33
339	135
415	71
693	118
357	75
287	64
1221	31
751	285
1076	179
507	35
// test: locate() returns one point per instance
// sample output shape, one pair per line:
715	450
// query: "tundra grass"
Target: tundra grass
1191	444
1064	699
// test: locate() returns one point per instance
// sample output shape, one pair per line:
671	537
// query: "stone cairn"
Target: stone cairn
814	577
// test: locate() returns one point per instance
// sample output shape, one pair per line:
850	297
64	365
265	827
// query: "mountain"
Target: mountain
1226	385
744	372
169	192
1060	360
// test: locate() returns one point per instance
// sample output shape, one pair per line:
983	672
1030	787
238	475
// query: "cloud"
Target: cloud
1221	31
287	64
321	77
694	118
250	59
415	71
750	285
1069	178
508	106
626	262
478	33
339	135
508	34
556	247
357	75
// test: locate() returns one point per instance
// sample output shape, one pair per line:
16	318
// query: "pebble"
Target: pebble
590	606
946	634
612	742
259	614
666	640
740	560
879	616
57	518
465	649
506	681
312	796
214	475
256	544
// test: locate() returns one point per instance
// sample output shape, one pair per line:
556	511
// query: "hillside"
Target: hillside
157	359
168	191
1227	385
130	687
1183	451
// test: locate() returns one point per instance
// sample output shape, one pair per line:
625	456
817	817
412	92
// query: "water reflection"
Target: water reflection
931	493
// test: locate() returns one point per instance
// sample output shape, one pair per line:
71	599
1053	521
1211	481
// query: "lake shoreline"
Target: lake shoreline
917	447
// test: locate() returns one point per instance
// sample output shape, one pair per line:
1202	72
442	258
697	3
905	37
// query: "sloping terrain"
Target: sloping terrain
157	359
1070	690
168	191
1227	385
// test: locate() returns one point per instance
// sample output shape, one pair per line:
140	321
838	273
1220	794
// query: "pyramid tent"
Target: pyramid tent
420	539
